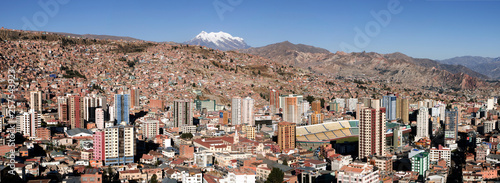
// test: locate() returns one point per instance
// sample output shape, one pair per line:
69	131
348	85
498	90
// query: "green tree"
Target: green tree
285	162
154	179
276	176
187	136
310	99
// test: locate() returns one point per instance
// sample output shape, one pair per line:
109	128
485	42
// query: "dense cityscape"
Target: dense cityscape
82	110
304	92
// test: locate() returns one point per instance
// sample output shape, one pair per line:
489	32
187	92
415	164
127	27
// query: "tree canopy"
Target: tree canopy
276	176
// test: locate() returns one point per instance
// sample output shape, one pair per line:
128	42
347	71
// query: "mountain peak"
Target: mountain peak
218	40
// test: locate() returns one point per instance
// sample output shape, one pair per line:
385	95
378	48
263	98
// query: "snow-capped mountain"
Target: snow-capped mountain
218	40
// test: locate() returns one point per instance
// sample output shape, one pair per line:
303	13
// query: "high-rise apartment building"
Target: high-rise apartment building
120	145
36	101
372	127
122	108
62	108
99	145
90	104
286	135
250	132
28	122
402	111
134	97
420	163
75	112
422	123
236	111
389	103
451	124
99	118
183	113
316	106
247	111
274	98
150	129
291	109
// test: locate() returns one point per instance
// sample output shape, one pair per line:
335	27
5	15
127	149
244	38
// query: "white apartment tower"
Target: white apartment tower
247	111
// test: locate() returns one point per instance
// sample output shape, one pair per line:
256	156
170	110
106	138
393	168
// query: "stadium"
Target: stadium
313	136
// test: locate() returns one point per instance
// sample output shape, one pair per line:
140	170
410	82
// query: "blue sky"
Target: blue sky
435	29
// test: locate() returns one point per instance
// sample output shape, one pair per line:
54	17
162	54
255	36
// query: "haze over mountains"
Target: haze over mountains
485	65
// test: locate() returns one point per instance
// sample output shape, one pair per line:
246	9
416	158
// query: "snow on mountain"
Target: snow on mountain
218	40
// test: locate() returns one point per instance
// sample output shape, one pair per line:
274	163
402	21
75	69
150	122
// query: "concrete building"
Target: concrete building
150	128
489	126
402	111
183	113
99	118
62	108
358	173
274	98
451	125
36	101
316	106
440	153
420	163
422	123
120	145
389	103
99	145
291	109
286	135
236	111
28	122
134	97
372	129
250	132
490	104
75	112
122	108
247	111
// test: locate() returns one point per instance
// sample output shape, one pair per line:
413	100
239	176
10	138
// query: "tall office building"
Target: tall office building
389	103
119	145
286	135
36	101
451	124
75	112
99	118
291	110
99	145
150	128
134	97
62	108
236	111
372	127
402	111
274	98
183	113
247	111
122	108
422	123
316	106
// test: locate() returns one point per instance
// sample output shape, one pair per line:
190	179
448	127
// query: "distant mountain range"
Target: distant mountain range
218	40
459	72
485	65
390	68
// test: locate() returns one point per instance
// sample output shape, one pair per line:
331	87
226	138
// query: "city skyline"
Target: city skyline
416	28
